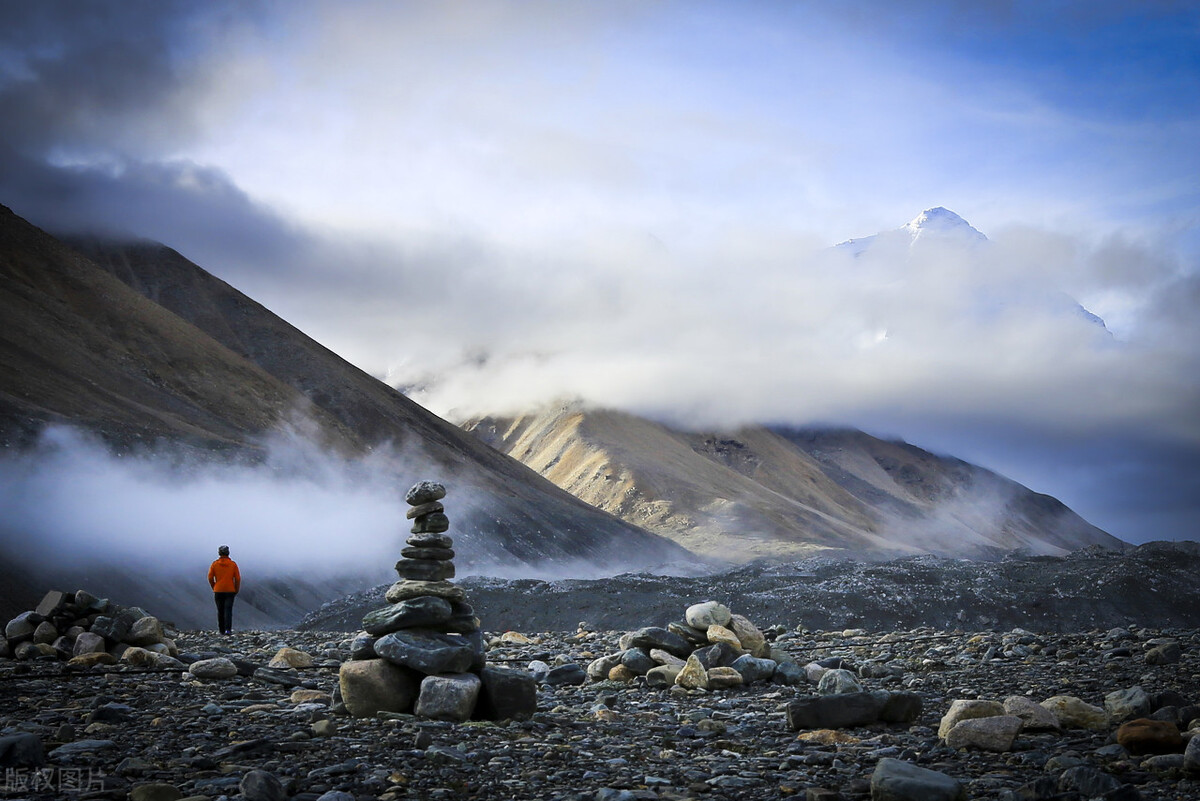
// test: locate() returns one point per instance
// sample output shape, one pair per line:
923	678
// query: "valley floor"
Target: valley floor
109	730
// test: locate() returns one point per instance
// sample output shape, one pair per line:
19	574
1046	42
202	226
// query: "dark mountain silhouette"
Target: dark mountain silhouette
137	345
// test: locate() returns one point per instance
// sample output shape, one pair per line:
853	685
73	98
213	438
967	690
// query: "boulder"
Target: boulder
216	668
1076	714
506	694
88	643
693	675
259	785
1144	736
901	707
993	733
448	696
722	678
422	611
22	627
637	661
290	658
749	636
428	652
1035	716
598	669
652	637
52	602
835	711
838	682
145	631
753	668
22	750
568	674
709	613
1127	704
369	686
663	676
967	709
894	780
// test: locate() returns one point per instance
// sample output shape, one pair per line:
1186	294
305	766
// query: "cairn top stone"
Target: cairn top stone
425	492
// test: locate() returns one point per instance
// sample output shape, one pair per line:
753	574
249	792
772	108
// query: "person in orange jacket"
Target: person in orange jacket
225	580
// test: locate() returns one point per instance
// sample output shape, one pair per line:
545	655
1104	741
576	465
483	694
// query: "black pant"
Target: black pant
224	610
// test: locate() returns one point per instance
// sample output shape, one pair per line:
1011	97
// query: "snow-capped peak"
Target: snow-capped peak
941	221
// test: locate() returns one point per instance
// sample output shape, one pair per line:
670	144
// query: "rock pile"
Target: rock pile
85	630
423	653
710	649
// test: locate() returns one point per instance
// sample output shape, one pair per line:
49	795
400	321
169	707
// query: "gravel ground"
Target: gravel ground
110	732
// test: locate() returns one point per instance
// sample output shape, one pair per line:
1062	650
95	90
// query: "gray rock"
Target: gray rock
421	552
1166	654
789	674
1126	704
363	646
662	676
834	711
259	785
155	791
1089	782
448	696
52	602
425	492
425	509
434	523
717	655
902	707
45	632
22	626
370	686
995	733
431	540
23	750
570	673
694	636
88	643
335	795
113	628
894	780
506	694
838	682
1191	756
597	669
754	669
709	613
275	676
420	612
405	589
638	661
422	570
1035	716
656	637
81	747
215	668
145	631
428	652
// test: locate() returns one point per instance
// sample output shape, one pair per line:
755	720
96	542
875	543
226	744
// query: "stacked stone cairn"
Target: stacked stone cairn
423	653
714	649
85	630
710	649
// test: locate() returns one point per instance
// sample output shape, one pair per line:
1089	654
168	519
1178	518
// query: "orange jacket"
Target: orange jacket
223	575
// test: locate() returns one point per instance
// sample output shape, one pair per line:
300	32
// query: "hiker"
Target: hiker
225	580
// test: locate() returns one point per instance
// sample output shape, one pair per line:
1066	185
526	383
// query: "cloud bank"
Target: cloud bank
499	204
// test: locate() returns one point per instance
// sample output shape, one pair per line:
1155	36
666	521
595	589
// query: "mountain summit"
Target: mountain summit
938	224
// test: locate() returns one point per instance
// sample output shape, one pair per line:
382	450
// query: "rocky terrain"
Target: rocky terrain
1154	584
274	733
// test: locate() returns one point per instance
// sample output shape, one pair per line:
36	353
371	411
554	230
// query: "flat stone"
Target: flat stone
722	678
428	652
52	602
1087	781
434	523
720	634
216	668
92	659
431	554
993	733
894	780
405	589
656	637
448	696
81	747
571	674
430	540
662	676
422	570
835	711
967	709
420	612
370	686
425	509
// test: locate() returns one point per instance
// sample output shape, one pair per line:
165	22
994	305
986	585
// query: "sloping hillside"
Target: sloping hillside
146	349
759	492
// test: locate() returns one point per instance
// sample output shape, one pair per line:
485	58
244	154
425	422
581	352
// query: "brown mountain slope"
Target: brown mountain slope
760	492
187	360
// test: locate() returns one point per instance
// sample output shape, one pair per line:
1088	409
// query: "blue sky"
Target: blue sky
503	203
